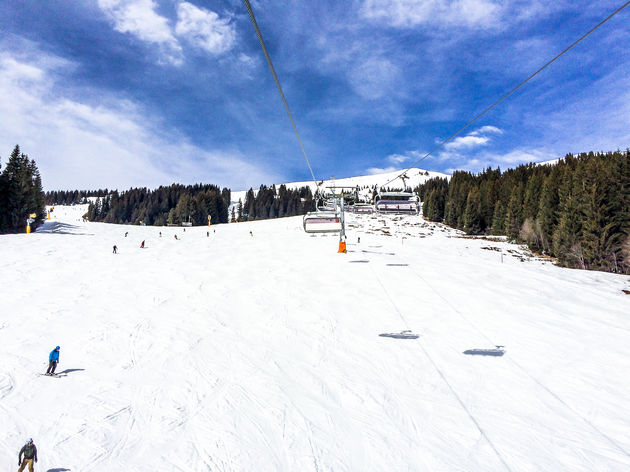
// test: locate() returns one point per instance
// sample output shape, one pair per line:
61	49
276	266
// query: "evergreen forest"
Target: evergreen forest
270	202
21	194
177	204
72	197
577	210
173	205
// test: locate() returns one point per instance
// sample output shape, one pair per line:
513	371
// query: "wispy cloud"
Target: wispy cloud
512	158
198	27
410	13
381	170
476	138
397	158
473	14
204	28
106	142
140	19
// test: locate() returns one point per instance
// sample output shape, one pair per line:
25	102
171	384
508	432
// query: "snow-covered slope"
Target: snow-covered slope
415	178
261	351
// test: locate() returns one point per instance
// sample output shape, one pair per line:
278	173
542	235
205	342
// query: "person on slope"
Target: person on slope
53	360
30	454
142	245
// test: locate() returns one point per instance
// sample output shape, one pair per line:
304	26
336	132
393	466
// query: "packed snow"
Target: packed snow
255	346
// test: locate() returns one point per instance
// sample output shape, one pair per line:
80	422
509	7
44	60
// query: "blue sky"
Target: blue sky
121	93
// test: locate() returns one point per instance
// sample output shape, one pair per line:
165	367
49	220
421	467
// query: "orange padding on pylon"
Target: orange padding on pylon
342	247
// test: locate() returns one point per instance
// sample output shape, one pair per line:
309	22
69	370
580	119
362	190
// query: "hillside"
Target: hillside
258	347
416	177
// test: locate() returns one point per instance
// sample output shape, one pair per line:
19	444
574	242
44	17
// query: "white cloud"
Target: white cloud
505	160
381	170
397	158
471	14
204	29
486	130
139	18
476	138
78	144
411	13
374	77
467	142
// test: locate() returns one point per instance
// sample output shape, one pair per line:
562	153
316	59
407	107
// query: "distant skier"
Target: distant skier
142	245
208	233
251	234
30	454
176	237
126	233
359	240
160	234
115	249
53	360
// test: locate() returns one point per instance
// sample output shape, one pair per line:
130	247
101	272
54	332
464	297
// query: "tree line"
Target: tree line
72	197
21	194
270	202
577	210
173	204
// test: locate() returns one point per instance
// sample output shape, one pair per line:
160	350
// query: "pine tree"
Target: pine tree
472	213
21	193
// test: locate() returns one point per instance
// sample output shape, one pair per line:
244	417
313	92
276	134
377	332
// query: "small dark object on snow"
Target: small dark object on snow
142	245
627	292
406	334
496	352
115	249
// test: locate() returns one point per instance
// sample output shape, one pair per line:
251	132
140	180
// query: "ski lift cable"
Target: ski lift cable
275	77
525	371
453	136
444	379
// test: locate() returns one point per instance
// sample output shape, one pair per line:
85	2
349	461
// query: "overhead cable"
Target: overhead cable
453	136
275	77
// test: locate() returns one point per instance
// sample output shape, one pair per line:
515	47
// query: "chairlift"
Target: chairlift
397	202
322	222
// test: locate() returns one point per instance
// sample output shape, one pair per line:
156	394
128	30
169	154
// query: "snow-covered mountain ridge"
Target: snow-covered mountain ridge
415	177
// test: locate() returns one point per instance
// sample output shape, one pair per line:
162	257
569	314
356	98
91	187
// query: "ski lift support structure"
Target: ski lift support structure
339	197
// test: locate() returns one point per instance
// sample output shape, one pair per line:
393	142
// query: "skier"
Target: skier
175	236
30	454
142	245
126	233
208	234
160	234
115	249
53	360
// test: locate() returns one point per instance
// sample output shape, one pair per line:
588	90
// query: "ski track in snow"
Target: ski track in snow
236	352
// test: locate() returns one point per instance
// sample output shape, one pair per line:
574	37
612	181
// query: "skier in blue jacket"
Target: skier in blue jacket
53	359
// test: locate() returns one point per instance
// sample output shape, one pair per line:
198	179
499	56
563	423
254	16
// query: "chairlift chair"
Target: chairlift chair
397	202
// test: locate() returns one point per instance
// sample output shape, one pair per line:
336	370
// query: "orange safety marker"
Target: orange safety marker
342	247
